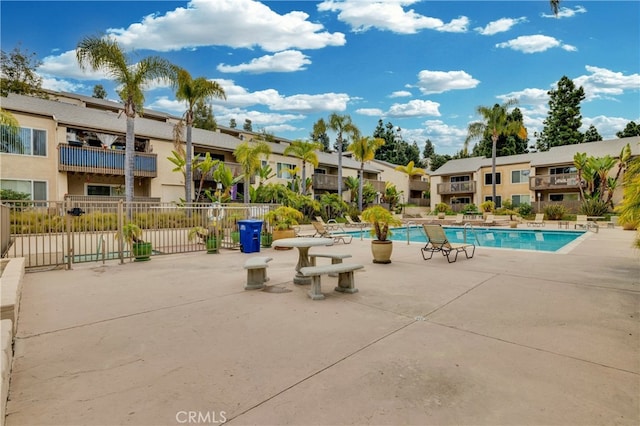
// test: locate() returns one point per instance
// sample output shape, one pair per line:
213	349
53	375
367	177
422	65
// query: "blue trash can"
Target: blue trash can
250	235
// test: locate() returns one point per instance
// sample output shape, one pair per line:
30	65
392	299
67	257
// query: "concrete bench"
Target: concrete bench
256	272
346	282
335	259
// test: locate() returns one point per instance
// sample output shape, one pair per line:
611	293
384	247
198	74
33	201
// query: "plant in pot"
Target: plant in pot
282	220
208	236
442	209
132	235
381	220
487	207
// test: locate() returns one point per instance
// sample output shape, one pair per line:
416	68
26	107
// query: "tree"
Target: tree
496	123
105	54
629	209
99	92
10	140
411	170
561	127
306	151
343	126
248	154
247	126
203	116
191	91
631	129
364	149
19	74
436	161
232	123
506	145
592	135
319	134
428	150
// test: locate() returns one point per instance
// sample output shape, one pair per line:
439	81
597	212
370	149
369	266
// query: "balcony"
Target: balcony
330	183
559	181
446	188
418	185
104	161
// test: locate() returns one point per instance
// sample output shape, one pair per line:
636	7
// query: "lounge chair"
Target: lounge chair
438	242
459	220
490	220
323	232
581	222
352	224
538	221
331	224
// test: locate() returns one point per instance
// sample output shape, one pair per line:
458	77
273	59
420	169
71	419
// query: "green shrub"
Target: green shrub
525	209
442	207
594	207
469	209
555	211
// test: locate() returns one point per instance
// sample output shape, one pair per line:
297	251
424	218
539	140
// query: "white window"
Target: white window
104	190
562	170
465	178
25	141
285	170
36	189
520	176
516	200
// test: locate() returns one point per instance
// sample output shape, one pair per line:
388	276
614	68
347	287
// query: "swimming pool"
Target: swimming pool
508	238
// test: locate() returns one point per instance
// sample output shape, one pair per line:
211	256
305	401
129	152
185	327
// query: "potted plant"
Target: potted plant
266	239
132	235
209	237
442	209
282	221
487	207
380	219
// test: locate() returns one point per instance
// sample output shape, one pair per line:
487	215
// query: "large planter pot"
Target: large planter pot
212	245
381	251
141	251
441	215
279	234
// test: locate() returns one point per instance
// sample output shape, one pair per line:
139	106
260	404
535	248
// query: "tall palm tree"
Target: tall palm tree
193	91
306	151
495	124
364	149
248	154
105	54
411	170
343	126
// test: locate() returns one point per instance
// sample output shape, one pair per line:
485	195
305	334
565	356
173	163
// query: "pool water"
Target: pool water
508	238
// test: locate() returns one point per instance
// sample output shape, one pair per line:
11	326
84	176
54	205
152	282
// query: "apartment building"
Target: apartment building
73	145
536	178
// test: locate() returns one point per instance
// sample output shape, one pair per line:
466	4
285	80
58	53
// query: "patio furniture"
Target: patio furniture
438	242
303	244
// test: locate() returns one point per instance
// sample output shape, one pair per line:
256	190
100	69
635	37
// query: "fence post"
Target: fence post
69	232
120	215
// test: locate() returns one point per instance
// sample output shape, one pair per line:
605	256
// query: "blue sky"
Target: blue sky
423	65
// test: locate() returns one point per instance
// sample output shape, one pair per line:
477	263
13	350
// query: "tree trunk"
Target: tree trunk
129	159
188	157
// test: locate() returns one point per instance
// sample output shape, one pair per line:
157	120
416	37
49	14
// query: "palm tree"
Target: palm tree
193	91
364	149
495	123
306	151
248	155
343	126
410	170
105	54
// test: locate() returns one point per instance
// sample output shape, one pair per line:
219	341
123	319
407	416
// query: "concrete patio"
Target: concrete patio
506	338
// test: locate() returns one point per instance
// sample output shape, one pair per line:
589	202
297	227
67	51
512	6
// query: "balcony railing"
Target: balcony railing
330	183
468	187
418	185
104	161
559	181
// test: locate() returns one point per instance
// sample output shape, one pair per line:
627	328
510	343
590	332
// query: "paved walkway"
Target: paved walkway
506	338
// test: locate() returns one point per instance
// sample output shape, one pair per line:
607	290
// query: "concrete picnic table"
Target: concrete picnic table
303	244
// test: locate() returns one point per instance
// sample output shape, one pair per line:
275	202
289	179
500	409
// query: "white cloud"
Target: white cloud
604	83
400	94
233	23
371	112
389	15
445	138
500	26
534	44
62	85
442	81
414	108
287	61
530	96
565	12
606	126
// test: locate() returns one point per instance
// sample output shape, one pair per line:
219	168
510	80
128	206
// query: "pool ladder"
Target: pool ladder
408	229
469	226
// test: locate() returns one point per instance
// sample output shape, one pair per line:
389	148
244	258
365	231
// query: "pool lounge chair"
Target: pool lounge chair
331	224
352	224
438	242
459	220
538	221
490	220
323	232
581	222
